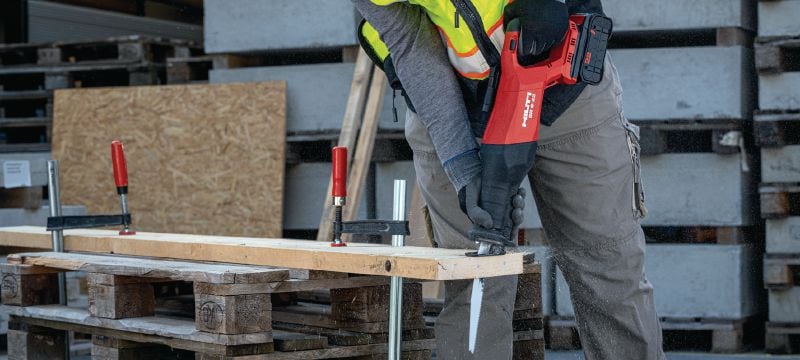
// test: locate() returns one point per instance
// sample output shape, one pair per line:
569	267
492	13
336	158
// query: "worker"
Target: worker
585	179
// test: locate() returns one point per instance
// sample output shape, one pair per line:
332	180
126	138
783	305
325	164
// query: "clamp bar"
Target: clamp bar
376	227
55	223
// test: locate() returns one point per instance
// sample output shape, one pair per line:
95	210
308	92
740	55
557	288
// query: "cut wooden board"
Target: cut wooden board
369	259
195	165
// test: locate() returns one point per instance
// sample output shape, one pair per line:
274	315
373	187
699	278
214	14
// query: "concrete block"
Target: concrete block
316	94
304	194
697	189
257	25
38	166
38	217
544	257
49	21
784	305
699	83
387	172
679	14
778	18
779	91
781	164
783	236
695	281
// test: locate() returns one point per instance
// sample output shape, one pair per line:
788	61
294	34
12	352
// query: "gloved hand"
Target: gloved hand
468	197
543	24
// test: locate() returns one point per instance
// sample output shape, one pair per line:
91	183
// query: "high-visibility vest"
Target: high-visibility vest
462	48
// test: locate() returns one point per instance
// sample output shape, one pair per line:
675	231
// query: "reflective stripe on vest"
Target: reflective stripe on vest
462	49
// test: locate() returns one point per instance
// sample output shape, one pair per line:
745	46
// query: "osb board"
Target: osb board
202	159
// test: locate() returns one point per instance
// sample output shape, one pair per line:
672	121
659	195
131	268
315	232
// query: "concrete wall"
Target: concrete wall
304	194
779	91
695	281
58	22
778	18
316	94
781	164
257	25
38	166
679	14
700	83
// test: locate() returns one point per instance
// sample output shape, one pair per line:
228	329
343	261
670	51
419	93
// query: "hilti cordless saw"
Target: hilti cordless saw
509	143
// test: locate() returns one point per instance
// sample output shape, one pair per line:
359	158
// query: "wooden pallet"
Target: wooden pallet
718	336
777	55
125	48
782	338
688	136
231	306
776	128
779	200
724	235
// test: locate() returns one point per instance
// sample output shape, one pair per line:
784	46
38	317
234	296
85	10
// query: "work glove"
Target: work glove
469	198
544	23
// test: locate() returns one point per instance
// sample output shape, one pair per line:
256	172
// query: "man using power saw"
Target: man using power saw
583	164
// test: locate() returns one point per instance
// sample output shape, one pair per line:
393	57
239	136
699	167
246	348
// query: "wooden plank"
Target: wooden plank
778	18
779	91
292	341
784	305
290	286
167	130
368	259
783	235
152	268
347	138
320	316
160	330
656	15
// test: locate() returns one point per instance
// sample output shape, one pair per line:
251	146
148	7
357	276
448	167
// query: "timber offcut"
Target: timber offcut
368	259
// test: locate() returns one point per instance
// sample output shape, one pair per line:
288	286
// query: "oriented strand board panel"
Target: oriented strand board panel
779	91
778	18
327	86
680	14
781	164
202	159
369	259
697	83
704	189
696	281
258	25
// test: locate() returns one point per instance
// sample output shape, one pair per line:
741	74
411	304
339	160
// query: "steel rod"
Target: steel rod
54	199
396	285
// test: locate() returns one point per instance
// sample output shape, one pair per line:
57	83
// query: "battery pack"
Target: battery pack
591	50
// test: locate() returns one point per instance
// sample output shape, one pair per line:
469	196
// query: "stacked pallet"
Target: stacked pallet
776	127
686	73
216	311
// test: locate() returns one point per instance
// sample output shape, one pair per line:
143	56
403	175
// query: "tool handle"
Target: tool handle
339	171
120	168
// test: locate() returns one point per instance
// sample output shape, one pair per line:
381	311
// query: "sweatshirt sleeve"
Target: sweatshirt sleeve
421	63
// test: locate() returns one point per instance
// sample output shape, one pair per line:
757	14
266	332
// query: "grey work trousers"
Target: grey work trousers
583	184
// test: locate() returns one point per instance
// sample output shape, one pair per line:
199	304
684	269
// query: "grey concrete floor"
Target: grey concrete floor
577	355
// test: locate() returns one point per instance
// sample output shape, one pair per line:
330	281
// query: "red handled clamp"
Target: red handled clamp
339	191
121	180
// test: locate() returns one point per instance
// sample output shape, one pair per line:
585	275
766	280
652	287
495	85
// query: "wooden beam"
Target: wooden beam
368	259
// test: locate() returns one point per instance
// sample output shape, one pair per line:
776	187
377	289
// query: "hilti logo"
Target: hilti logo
530	102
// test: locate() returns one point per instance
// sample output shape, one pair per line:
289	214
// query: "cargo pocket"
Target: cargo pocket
638	203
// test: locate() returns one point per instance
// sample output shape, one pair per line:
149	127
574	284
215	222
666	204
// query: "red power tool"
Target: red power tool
509	143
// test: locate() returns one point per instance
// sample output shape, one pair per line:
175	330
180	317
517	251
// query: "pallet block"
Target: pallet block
703	84
324	85
34	342
242	29
695	281
777	18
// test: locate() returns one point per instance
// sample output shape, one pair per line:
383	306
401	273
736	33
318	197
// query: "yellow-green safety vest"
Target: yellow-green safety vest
462	49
